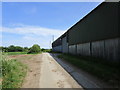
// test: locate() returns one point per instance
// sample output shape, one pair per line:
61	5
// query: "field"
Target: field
106	71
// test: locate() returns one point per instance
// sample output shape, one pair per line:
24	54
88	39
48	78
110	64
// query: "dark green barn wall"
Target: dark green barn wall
100	24
57	45
119	30
57	42
97	34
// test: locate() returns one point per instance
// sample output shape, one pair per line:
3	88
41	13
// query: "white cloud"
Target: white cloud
31	35
33	30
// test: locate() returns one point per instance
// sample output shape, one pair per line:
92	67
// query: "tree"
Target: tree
46	50
35	49
18	49
1	49
11	48
26	49
42	49
4	49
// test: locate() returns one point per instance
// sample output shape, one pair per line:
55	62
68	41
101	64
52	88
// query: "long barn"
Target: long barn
97	34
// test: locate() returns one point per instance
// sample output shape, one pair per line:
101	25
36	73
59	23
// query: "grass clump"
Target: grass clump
13	73
105	70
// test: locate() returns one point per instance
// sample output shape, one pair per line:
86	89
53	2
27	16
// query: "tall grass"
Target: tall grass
13	72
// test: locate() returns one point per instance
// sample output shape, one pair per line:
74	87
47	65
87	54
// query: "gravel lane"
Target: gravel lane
53	75
44	72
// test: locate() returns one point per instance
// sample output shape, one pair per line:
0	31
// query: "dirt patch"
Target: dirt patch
16	56
33	73
32	62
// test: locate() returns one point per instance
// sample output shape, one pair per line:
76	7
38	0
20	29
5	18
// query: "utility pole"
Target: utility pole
50	44
53	37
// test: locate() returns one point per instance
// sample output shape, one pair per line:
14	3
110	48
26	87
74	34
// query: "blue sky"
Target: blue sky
28	23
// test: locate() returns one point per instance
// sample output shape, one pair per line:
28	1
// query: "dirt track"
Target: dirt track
45	72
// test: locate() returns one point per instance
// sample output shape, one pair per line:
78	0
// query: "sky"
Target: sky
28	23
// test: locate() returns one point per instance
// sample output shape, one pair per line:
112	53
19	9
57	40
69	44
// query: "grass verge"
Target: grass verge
13	73
15	53
20	53
104	70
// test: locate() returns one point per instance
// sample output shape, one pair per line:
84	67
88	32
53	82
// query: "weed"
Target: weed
13	73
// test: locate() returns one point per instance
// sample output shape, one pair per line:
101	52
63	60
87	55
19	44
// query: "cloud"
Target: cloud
30	35
33	30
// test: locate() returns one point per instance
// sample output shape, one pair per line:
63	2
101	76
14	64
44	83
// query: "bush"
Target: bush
35	49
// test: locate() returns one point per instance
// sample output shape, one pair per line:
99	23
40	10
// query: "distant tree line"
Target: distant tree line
13	48
34	49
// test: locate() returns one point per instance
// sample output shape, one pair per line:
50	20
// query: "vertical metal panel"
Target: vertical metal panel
112	49
118	49
57	48
79	49
64	45
98	49
83	49
72	49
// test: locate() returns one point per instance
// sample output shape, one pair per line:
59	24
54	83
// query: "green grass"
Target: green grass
104	70
19	53
13	73
15	53
34	53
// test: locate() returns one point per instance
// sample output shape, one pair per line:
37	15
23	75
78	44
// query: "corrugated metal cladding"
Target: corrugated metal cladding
101	23
97	34
57	42
64	45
